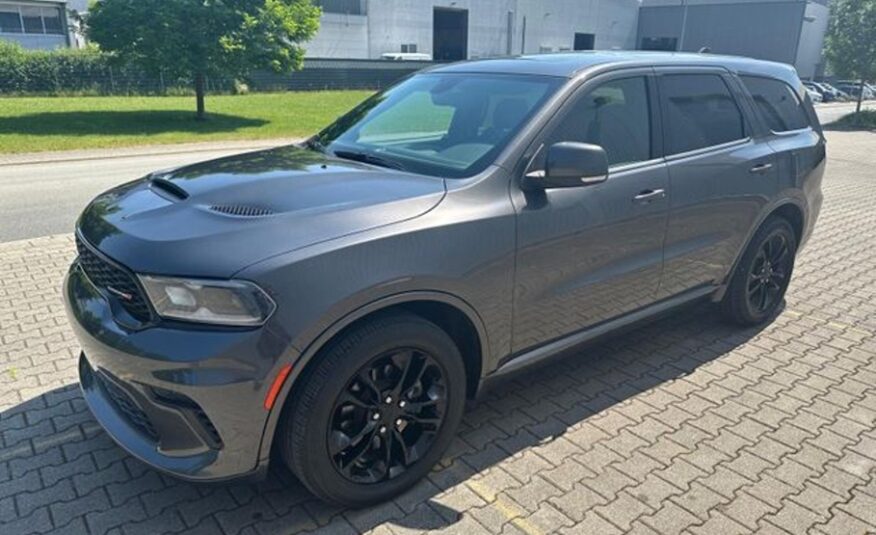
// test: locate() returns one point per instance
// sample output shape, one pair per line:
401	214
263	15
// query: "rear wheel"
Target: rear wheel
376	412
762	276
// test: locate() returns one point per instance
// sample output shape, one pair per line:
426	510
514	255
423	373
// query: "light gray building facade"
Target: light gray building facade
35	24
466	29
789	31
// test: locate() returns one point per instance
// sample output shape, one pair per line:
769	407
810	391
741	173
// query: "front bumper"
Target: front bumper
186	399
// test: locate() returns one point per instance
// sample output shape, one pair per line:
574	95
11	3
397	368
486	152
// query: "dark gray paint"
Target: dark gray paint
532	272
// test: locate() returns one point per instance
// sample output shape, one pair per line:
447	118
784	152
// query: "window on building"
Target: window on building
33	20
52	20
30	19
349	7
410	48
699	112
665	44
585	41
615	116
777	102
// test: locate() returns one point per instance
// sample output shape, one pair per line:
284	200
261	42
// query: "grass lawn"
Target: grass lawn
865	119
32	124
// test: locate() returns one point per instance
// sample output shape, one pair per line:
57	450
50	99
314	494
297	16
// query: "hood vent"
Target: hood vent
242	211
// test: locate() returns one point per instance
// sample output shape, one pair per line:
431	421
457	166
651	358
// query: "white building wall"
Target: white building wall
340	36
550	25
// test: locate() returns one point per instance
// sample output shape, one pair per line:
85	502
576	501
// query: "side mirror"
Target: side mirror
570	164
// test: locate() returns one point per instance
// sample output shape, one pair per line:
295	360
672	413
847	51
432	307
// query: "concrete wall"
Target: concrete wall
551	24
340	36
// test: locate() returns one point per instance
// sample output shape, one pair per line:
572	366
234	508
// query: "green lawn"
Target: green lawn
865	119
31	124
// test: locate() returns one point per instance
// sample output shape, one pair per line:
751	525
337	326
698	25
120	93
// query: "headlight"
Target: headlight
238	303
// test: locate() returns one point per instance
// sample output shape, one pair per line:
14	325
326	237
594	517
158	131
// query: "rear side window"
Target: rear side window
700	112
777	102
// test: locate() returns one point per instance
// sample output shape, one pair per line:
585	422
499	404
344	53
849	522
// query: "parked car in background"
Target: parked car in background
854	89
826	94
333	305
837	94
814	94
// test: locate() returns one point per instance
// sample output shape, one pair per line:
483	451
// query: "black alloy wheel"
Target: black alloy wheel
388	416
769	273
761	277
375	410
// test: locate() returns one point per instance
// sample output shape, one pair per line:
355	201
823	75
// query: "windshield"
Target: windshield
446	125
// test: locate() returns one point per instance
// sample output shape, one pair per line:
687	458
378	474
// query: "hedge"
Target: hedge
85	71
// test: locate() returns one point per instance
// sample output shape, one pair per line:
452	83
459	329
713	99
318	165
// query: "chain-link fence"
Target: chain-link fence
100	79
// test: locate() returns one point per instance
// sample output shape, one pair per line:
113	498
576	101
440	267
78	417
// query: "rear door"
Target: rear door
722	173
794	132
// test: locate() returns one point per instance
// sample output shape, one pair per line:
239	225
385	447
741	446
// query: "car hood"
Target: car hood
217	217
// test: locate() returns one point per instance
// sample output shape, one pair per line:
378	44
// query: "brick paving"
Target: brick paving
683	426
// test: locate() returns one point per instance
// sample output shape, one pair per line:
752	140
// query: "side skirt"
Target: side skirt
550	349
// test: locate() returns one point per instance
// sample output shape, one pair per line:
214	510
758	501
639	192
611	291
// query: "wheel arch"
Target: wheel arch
449	312
789	209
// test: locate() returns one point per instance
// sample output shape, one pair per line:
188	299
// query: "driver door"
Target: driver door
591	253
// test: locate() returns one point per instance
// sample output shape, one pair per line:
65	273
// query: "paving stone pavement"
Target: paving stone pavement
684	425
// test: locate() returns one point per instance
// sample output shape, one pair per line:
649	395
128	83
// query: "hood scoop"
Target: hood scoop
241	210
169	188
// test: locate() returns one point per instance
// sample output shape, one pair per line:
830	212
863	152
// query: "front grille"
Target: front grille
126	406
108	277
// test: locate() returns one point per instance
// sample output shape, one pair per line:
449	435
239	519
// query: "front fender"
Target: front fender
313	347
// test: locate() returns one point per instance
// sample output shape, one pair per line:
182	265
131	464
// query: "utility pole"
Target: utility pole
683	25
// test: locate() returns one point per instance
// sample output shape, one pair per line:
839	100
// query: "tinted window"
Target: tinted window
699	111
615	116
777	103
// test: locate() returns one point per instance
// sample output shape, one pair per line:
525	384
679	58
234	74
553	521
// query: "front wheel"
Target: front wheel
376	412
762	276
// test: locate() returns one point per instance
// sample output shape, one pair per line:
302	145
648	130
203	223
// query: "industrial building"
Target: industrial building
447	30
788	31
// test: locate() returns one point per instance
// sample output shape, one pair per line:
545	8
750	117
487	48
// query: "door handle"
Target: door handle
649	195
761	168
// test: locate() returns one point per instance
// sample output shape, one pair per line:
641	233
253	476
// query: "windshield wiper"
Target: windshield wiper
367	157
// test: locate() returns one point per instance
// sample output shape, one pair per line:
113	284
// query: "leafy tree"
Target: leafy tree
200	38
850	46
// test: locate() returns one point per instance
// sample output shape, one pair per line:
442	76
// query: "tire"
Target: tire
758	287
337	433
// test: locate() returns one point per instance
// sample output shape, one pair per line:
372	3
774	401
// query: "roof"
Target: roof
568	64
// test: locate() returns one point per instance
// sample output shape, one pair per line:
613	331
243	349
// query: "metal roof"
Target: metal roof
568	64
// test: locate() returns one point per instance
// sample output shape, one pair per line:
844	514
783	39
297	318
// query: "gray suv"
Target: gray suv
332	306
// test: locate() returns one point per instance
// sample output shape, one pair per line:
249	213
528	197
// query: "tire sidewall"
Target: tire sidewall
312	419
767	231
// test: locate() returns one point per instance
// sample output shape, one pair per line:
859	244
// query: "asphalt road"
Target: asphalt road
41	199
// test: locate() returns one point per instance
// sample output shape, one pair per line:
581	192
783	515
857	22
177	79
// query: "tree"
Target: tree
850	46
196	39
